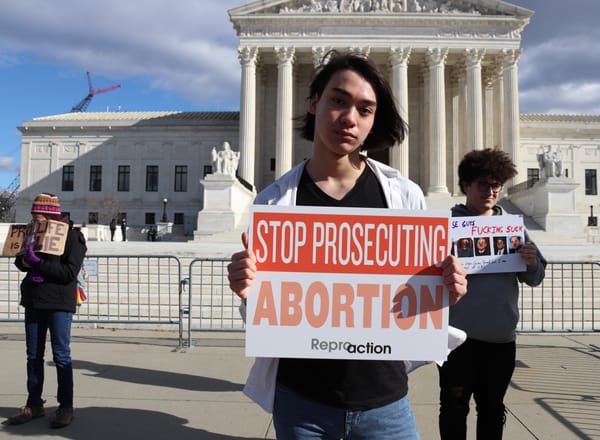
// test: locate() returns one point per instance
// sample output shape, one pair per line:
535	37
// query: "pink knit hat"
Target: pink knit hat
47	204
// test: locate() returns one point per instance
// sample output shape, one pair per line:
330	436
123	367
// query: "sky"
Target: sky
172	55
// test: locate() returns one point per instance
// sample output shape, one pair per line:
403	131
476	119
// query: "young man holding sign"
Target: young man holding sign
48	295
351	109
483	365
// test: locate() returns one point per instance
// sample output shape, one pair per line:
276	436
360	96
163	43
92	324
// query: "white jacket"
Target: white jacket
400	193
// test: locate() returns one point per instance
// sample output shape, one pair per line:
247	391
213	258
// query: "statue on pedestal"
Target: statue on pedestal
550	161
225	161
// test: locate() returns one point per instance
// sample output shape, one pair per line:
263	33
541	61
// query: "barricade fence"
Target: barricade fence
120	289
152	290
567	301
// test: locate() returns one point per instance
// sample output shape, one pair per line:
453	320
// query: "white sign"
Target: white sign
487	244
348	283
91	267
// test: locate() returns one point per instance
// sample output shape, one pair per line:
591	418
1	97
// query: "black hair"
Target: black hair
488	163
388	129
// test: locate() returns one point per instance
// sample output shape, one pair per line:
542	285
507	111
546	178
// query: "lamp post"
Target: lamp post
164	216
592	219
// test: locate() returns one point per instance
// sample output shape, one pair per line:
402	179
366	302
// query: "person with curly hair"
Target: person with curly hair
483	365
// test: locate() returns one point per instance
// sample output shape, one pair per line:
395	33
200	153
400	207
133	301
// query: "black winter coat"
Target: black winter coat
59	272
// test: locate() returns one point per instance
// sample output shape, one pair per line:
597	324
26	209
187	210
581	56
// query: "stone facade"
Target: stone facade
142	158
453	66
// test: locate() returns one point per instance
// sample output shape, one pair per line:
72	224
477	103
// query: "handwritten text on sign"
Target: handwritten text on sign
49	237
362	280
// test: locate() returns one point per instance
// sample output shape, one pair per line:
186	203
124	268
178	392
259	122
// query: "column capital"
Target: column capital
318	55
509	57
363	51
473	57
248	54
285	54
436	56
399	56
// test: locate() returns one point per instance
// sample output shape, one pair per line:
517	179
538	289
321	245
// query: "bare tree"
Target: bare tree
111	208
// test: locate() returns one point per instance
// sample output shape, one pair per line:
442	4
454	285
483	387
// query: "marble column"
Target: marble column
511	117
460	70
248	57
436	59
284	116
425	133
488	107
474	99
498	106
455	77
399	56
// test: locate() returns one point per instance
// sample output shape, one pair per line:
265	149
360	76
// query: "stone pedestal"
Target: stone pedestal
551	204
226	203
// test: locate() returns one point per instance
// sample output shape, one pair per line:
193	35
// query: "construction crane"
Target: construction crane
8	198
83	104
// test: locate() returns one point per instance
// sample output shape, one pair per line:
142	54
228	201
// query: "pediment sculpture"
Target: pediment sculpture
373	6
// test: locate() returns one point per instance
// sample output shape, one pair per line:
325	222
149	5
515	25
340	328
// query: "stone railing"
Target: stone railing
522	186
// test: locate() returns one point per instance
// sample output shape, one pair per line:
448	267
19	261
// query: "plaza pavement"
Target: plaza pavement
134	384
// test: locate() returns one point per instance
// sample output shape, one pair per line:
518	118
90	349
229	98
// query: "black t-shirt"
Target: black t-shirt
349	384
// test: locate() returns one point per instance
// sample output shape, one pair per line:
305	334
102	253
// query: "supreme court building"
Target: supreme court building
453	66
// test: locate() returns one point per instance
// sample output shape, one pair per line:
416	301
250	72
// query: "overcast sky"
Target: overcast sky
182	55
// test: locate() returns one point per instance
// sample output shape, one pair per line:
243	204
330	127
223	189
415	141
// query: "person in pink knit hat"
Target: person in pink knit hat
48	295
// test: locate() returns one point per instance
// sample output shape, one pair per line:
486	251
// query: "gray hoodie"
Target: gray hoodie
490	310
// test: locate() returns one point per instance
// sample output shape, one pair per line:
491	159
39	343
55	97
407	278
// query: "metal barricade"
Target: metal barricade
566	301
132	289
211	305
123	289
10	291
140	289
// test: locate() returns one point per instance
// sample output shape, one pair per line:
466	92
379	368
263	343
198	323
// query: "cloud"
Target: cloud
185	47
560	76
8	164
559	67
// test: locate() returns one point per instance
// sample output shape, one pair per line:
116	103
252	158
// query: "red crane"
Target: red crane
83	104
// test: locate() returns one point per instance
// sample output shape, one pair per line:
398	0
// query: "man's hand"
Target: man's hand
455	278
529	253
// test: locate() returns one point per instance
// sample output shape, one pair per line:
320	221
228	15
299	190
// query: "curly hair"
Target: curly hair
488	163
388	129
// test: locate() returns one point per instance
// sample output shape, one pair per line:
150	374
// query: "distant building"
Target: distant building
105	165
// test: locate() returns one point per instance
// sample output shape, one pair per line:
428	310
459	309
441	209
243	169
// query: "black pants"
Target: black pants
482	370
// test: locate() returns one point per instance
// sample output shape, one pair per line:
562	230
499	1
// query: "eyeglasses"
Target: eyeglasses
484	186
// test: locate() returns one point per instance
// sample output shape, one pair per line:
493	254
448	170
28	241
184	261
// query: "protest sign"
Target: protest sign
488	244
348	283
48	237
